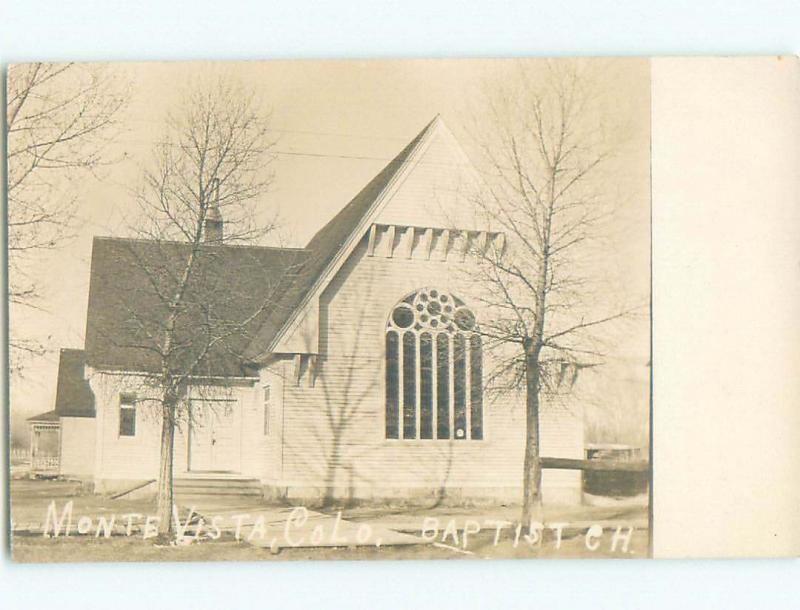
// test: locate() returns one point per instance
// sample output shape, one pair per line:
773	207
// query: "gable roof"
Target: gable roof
327	242
125	308
232	292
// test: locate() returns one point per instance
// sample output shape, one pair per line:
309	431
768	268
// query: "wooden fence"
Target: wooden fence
606	477
595	465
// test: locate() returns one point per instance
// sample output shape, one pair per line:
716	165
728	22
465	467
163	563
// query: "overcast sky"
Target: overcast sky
336	125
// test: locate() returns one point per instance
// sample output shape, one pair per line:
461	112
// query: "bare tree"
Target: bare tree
545	193
199	299
59	117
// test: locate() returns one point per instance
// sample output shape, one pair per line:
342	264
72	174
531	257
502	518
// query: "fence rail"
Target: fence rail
19	456
45	463
596	465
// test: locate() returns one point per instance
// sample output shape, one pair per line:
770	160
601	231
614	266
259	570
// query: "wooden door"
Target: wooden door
214	440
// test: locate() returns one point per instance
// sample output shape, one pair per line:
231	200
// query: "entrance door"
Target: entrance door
214	438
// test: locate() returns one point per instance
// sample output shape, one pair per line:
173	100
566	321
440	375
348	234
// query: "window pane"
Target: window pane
403	317
409	385
476	388
442	386
460	386
426	386
127	421
427	383
392	384
465	319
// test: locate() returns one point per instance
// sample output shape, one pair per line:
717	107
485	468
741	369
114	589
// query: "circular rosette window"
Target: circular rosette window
432	309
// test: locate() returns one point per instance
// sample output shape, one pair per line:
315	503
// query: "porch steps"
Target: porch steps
209	486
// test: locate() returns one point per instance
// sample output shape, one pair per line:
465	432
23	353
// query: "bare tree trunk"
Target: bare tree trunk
532	475
164	497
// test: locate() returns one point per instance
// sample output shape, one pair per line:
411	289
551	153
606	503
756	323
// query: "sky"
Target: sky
335	125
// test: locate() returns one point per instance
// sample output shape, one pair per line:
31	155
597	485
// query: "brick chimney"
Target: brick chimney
213	227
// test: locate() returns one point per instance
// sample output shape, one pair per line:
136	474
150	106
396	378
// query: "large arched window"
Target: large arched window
434	368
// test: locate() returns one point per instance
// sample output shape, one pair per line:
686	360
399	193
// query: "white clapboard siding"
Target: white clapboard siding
334	431
77	446
137	457
327	425
437	189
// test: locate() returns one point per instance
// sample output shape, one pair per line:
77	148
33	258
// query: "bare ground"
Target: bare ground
31	498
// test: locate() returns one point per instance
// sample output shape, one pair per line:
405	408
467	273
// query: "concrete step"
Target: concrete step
214	483
208	486
216	491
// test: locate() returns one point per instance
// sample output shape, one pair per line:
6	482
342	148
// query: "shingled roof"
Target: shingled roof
127	276
327	242
232	292
74	397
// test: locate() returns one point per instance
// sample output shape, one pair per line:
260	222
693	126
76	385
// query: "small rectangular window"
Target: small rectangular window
266	409
127	415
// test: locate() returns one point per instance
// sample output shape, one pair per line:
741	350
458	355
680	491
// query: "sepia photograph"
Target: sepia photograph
330	309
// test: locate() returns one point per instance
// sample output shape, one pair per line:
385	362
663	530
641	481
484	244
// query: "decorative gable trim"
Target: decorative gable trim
308	365
425	243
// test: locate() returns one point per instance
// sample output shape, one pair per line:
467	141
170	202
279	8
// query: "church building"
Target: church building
365	379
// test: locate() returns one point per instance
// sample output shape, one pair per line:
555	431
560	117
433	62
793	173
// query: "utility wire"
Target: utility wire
300	131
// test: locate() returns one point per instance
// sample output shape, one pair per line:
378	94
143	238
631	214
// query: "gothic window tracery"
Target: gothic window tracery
434	368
